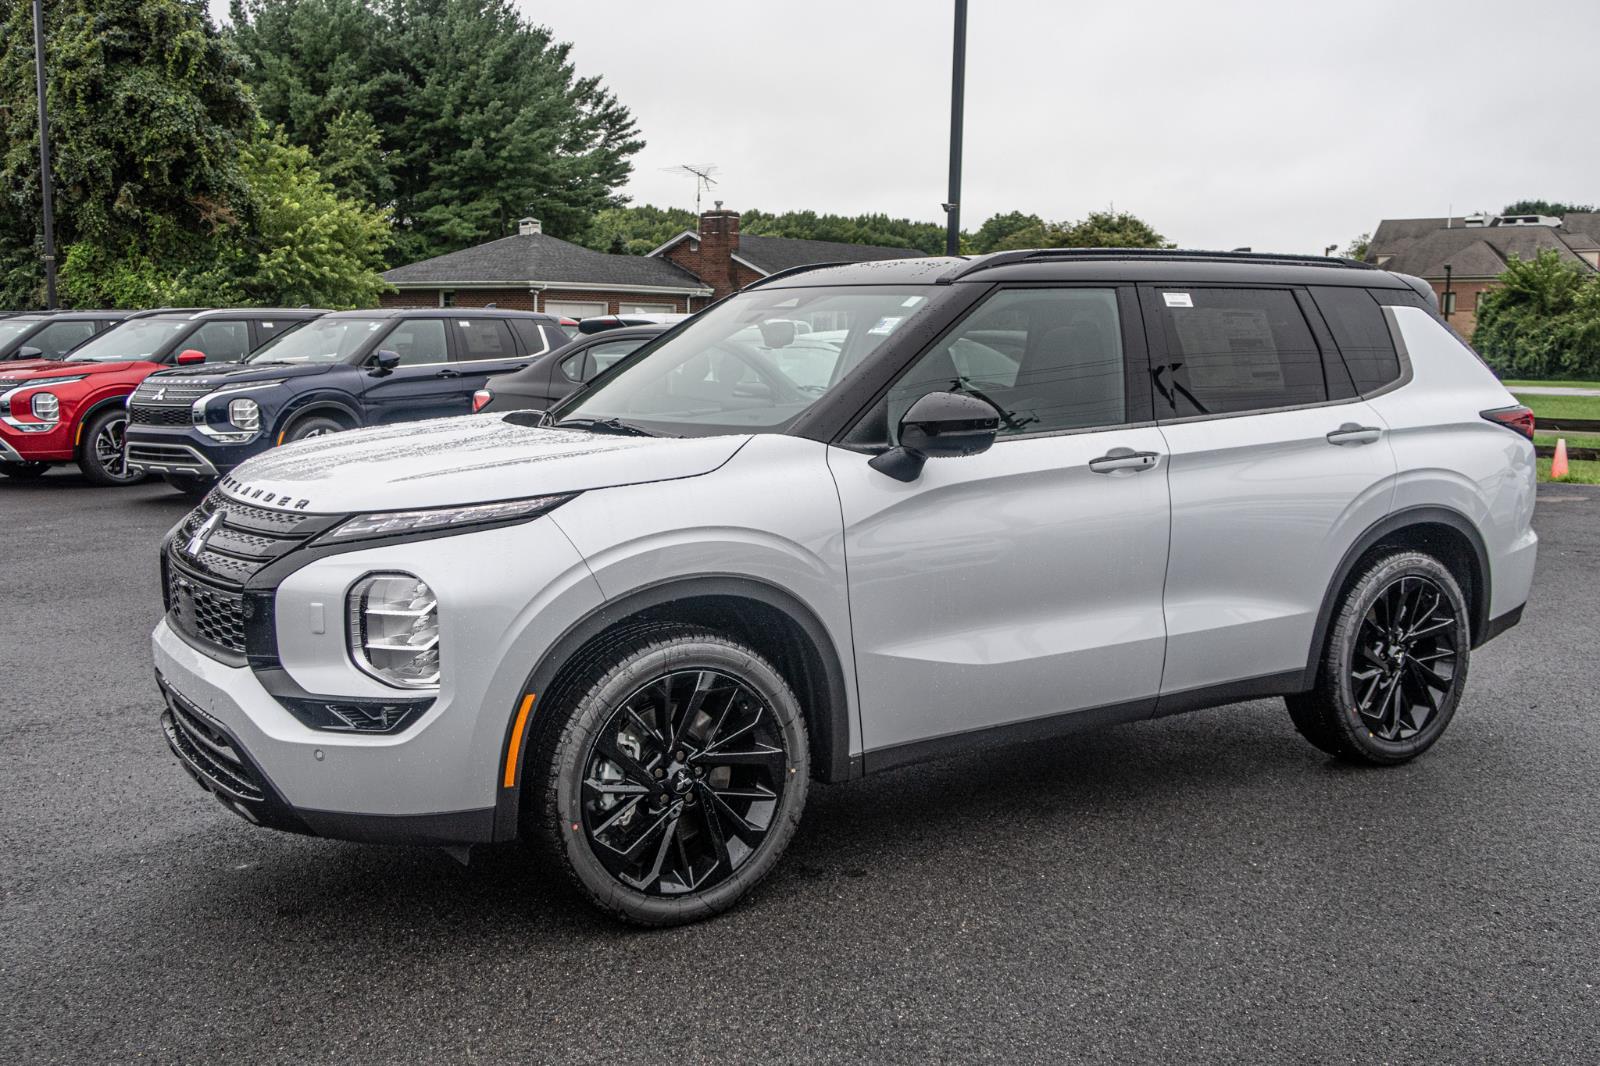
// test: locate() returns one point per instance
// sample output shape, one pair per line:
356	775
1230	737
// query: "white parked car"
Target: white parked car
987	501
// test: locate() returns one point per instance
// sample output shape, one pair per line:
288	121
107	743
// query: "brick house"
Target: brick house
1476	249
536	272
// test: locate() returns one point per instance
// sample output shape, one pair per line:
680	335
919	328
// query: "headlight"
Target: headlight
395	523
245	413
46	408
393	630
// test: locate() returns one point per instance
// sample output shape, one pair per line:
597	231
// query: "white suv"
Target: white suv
977	501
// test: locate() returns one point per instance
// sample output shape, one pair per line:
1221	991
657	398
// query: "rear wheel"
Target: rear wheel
312	426
101	455
23	471
1394	666
669	775
189	484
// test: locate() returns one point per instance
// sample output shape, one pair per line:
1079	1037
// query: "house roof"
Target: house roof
537	258
772	254
1423	246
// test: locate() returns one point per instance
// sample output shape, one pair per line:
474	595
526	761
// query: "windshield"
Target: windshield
752	364
326	340
140	339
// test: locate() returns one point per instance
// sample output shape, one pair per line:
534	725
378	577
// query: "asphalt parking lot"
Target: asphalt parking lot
1205	888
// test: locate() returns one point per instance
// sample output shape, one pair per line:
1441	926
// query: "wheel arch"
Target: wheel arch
773	621
1442	532
317	405
93	410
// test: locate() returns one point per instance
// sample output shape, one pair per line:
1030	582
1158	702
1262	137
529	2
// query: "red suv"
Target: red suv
75	409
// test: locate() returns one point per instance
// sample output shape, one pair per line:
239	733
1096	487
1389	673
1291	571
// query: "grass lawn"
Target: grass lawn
1512	383
1587	407
1581	473
1574	440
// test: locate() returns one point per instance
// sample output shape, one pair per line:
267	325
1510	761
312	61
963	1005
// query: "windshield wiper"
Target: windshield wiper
605	425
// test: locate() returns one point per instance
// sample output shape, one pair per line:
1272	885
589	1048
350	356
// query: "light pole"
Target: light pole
958	83
44	160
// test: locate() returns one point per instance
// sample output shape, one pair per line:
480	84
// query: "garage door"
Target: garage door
648	309
574	308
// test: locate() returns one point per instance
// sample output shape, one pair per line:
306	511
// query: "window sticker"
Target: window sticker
1178	299
886	325
912	301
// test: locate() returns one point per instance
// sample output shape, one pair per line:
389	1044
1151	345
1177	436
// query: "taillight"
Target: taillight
481	397
1517	419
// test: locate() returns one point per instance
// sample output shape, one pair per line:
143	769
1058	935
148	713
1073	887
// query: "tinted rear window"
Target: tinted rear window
1235	350
1362	334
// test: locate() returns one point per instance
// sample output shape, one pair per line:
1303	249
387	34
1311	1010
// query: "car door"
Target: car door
424	384
484	349
1276	467
1022	583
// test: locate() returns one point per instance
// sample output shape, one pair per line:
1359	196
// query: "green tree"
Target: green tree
1543	320
637	230
352	159
998	229
1358	247
148	116
1100	229
479	114
1544	207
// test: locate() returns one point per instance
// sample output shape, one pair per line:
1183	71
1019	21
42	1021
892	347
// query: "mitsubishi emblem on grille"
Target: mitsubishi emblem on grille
197	543
160	394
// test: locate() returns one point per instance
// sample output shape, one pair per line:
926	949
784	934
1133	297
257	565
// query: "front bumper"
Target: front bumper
54	445
184	450
506	595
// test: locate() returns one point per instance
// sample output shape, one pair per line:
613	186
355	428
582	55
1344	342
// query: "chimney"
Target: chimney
719	243
527	227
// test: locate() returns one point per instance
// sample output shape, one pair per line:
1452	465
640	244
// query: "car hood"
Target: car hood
37	369
463	460
234	373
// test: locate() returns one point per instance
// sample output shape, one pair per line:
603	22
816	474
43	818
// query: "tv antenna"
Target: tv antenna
701	172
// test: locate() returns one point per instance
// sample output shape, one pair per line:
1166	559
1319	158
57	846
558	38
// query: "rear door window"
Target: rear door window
533	340
484	338
222	341
417	341
1362	335
1229	351
59	338
598	358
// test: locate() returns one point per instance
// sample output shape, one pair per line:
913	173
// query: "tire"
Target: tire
1395	663
190	484
312	426
646	835
23	471
100	456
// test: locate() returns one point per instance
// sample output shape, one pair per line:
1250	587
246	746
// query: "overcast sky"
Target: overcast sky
1283	126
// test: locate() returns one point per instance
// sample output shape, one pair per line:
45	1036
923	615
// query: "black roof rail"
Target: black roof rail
1163	255
791	271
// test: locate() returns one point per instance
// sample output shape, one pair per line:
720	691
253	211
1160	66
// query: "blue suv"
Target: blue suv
341	371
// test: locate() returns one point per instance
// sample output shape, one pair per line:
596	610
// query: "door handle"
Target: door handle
448	374
1123	459
1350	433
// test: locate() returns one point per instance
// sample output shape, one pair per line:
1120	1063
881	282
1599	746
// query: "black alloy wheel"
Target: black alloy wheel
101	455
1404	662
683	781
667	770
1394	665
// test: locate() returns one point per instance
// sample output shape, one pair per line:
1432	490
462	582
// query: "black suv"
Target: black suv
564	371
52	334
346	369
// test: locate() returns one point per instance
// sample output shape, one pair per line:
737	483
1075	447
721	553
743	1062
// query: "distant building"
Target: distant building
536	272
1476	248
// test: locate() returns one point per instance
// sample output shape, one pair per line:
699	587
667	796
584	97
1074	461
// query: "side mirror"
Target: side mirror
777	333
940	425
385	361
190	356
27	352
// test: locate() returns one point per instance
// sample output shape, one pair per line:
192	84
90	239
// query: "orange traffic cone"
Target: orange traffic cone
1558	465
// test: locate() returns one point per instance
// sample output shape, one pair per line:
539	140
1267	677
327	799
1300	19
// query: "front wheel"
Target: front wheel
669	775
101	455
312	426
1394	666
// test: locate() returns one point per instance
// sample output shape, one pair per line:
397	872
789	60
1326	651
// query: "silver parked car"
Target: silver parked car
978	501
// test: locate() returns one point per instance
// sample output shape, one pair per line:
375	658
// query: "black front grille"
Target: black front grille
152	415
170	394
213	614
207	750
